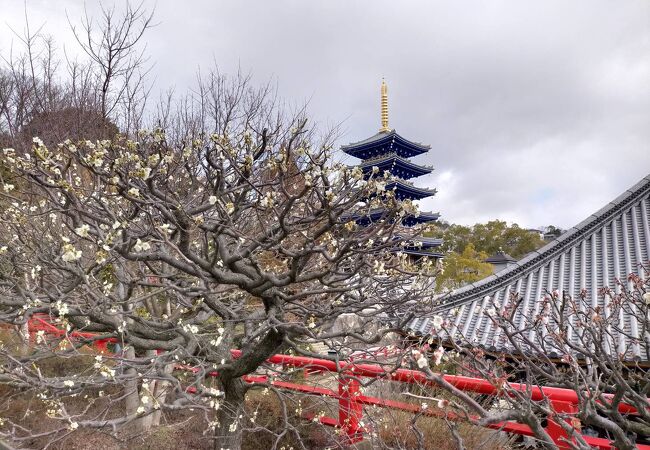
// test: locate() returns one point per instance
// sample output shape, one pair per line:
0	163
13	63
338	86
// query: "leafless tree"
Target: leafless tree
570	344
118	62
244	238
63	98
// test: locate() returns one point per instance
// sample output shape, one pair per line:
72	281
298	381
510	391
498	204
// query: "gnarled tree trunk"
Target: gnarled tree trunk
228	432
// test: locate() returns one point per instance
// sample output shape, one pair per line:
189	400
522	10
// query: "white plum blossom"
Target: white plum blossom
141	246
134	192
356	173
437	355
212	200
267	200
420	359
8	187
82	230
437	322
70	253
63	308
68	383
491	312
190	328
107	372
646	298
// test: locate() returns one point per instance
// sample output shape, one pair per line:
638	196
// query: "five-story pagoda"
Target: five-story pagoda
388	152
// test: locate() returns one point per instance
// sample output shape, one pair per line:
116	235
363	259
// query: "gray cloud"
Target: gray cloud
537	112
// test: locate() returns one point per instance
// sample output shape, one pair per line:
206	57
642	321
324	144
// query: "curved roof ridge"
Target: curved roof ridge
396	157
384	135
414	143
406	185
539	257
375	137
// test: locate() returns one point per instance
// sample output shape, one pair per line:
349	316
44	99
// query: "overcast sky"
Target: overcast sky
536	112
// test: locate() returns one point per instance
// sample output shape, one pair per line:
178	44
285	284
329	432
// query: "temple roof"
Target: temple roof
423	252
604	248
500	257
425	247
423	217
429	241
396	165
408	221
382	143
422	242
404	190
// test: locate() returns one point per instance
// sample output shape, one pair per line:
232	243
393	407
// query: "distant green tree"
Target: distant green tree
555	231
462	268
488	238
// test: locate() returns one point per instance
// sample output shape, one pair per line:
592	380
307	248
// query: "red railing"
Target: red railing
43	323
351	401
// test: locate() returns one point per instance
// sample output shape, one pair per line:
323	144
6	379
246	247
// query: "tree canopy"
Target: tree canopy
487	238
245	239
462	268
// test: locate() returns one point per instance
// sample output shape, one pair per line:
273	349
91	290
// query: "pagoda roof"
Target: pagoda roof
423	217
418	252
500	257
396	165
425	247
422	241
429	241
599	252
405	190
409	221
382	143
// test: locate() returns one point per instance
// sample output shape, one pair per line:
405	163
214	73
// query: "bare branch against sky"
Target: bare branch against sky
537	112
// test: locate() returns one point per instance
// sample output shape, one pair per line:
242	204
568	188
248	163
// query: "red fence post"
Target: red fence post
350	411
102	345
553	427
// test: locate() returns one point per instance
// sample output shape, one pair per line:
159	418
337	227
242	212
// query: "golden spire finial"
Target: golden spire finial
384	107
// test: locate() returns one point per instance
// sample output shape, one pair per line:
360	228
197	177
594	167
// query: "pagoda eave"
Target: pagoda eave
426	242
423	217
382	143
404	191
378	214
415	252
397	166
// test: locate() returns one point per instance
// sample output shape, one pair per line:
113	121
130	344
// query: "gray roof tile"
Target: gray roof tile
608	245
